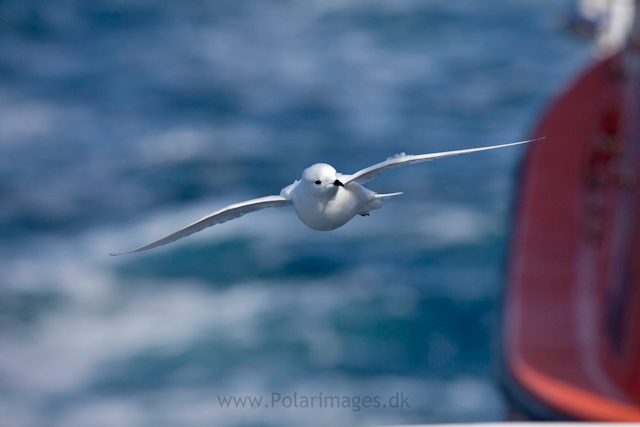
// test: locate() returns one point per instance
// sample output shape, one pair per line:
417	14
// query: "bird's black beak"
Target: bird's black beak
338	183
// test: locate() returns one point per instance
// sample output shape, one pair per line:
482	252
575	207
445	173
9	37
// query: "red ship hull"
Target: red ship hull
572	308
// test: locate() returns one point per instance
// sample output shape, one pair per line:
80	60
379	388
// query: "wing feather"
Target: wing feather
372	172
223	215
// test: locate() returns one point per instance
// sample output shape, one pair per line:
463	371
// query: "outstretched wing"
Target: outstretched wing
223	215
372	172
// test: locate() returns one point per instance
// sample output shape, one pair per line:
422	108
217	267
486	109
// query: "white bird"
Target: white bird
323	199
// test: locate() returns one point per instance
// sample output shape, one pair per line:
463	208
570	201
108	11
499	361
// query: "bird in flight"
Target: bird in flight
323	198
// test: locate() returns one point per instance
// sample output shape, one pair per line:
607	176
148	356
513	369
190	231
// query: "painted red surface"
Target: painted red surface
573	304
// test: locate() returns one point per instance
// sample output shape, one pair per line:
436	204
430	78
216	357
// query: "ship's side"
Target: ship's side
571	347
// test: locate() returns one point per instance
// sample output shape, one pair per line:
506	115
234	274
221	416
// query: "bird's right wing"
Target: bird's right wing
372	172
223	215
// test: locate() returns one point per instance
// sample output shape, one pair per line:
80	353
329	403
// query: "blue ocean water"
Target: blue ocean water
122	121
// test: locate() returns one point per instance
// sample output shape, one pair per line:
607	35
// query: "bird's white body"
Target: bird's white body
323	198
325	206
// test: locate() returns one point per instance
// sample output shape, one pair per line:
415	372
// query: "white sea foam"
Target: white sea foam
108	319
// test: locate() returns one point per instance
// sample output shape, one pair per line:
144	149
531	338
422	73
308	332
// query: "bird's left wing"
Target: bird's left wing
372	172
223	215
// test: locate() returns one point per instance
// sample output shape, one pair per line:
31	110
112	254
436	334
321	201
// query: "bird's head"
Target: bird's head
321	178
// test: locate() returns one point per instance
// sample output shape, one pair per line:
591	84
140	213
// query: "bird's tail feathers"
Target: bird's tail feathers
386	196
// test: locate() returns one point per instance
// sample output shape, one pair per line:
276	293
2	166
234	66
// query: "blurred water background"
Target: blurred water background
122	121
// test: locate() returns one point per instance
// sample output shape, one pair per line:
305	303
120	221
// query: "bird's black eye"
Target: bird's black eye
318	182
